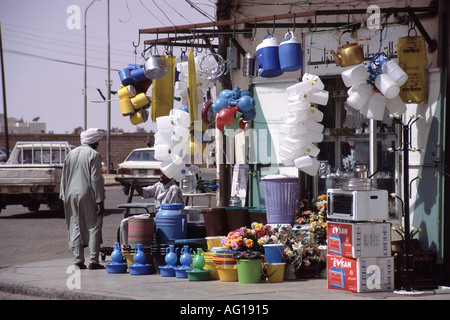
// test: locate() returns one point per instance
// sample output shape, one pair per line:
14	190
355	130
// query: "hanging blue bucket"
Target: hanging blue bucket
125	77
267	57
273	253
138	75
290	53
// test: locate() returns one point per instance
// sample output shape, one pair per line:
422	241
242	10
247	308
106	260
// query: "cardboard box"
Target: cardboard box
359	239
360	275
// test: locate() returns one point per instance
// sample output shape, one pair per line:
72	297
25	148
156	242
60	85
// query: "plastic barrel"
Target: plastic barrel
237	217
216	222
140	230
171	223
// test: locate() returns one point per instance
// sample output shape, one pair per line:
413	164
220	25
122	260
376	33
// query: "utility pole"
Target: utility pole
108	132
224	82
5	112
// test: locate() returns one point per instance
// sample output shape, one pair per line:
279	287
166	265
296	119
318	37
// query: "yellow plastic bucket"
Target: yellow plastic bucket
213	241
227	273
210	265
275	272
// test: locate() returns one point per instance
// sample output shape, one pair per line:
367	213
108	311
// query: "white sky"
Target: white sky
44	59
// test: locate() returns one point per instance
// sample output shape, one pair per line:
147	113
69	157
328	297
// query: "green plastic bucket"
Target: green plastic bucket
249	270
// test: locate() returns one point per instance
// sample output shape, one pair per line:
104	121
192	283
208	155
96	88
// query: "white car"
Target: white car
140	165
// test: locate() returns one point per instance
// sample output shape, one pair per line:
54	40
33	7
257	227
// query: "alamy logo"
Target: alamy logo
74	19
74	280
374	20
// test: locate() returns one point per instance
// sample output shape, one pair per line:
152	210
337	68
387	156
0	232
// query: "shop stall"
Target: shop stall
311	124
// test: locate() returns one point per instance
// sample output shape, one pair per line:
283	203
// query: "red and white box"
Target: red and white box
360	275
359	239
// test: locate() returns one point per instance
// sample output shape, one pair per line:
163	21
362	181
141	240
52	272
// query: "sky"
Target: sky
43	53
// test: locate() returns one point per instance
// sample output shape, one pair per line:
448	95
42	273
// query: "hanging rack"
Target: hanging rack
257	22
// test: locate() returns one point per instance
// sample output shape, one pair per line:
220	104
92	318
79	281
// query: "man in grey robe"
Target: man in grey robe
83	193
164	191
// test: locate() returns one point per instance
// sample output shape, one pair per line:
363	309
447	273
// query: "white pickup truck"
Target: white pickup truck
32	175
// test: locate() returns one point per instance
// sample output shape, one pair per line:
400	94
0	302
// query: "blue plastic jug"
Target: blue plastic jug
267	58
290	53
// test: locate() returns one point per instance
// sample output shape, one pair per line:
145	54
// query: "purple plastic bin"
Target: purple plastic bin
281	198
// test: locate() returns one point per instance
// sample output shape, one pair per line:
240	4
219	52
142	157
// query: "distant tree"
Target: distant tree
77	130
140	130
116	130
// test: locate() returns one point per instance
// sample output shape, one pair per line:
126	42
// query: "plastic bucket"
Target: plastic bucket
163	137
171	169
138	75
395	72
127	92
396	105
180	118
126	107
212	242
125	77
388	87
216	221
281	198
140	101
290	53
275	272
274	253
210	265
267	58
140	230
355	75
249	270
377	103
162	152
164	123
307	164
227	273
359	95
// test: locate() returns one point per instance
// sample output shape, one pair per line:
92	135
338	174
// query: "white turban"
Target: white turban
91	135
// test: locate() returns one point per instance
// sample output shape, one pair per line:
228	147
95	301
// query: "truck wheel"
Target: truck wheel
126	189
34	207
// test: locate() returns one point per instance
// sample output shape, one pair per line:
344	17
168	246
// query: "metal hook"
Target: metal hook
315	23
137	45
411	28
273	30
294	24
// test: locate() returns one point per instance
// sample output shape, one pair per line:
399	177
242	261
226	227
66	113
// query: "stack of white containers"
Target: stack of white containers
369	100
302	128
181	84
172	142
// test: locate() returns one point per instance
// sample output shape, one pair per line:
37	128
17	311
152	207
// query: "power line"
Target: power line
53	59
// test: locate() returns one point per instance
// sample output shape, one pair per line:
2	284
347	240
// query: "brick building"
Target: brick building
121	143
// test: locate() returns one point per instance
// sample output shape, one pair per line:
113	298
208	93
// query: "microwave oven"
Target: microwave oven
357	205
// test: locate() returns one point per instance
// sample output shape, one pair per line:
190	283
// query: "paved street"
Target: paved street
34	262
